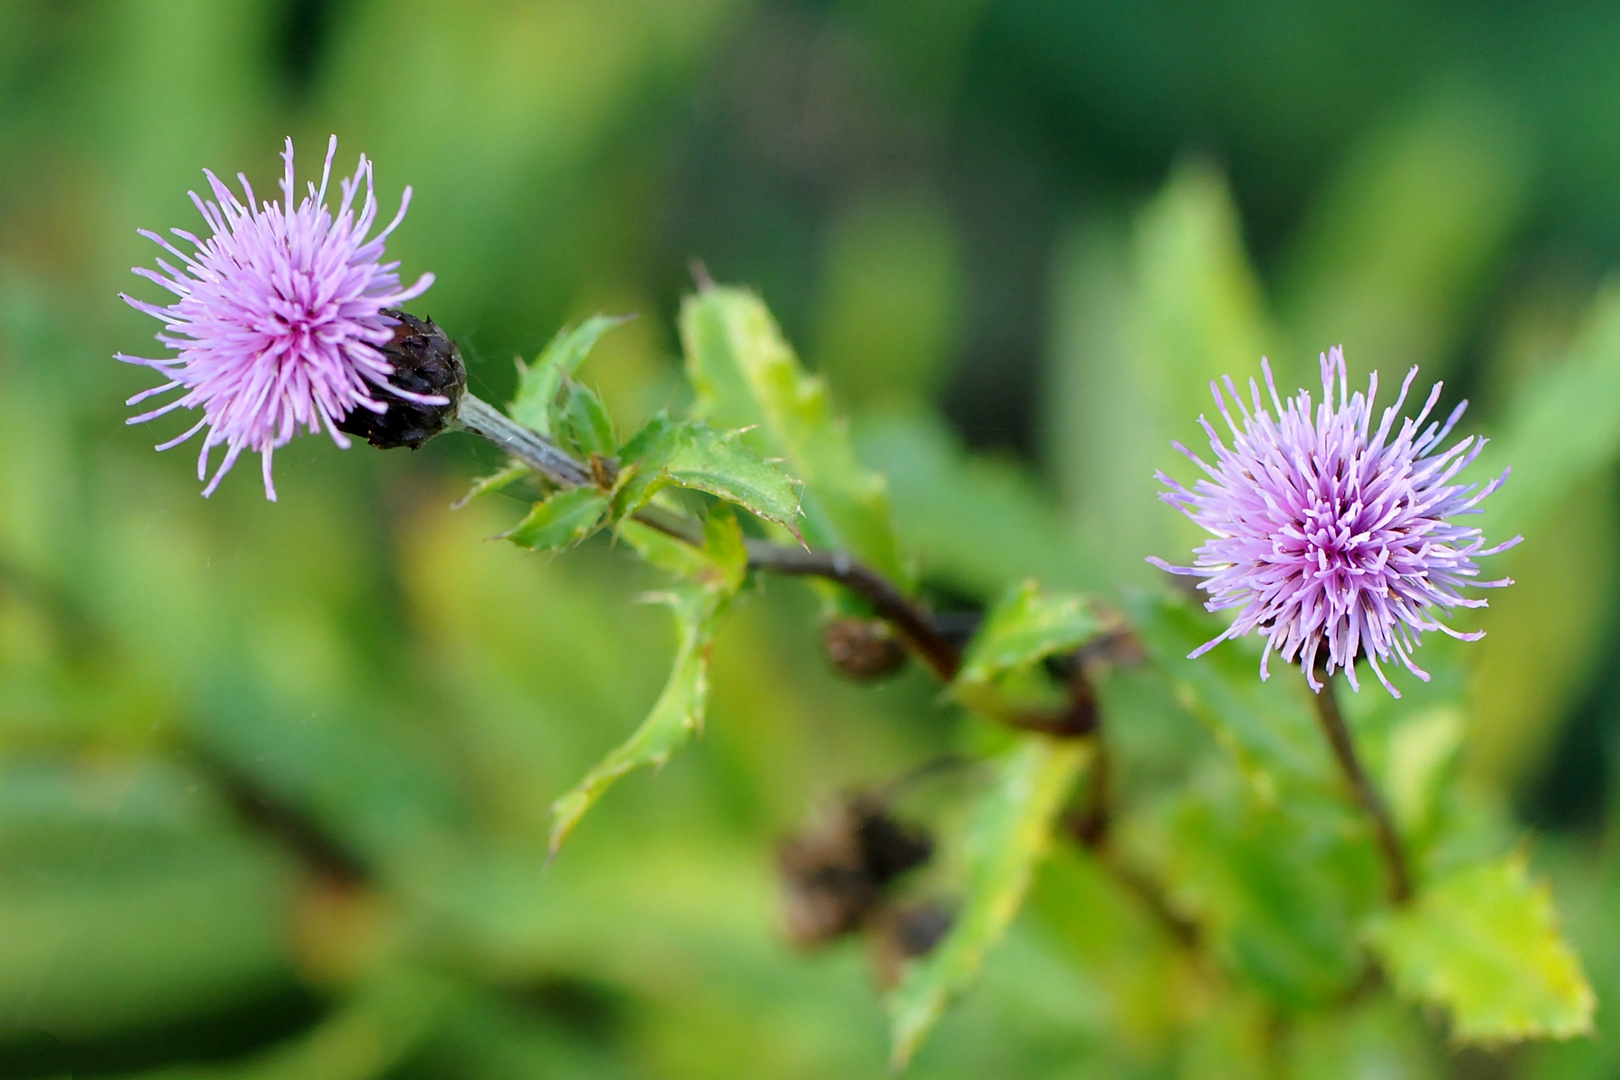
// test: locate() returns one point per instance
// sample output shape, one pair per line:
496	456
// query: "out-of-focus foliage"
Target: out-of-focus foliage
1483	942
276	781
1010	831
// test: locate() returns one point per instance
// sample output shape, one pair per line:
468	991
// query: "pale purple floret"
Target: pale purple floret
278	317
1326	532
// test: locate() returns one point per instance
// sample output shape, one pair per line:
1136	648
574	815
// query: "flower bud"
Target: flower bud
903	934
837	872
862	649
426	362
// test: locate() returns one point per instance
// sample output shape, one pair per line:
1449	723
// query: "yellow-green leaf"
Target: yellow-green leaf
1009	832
715	574
1483	942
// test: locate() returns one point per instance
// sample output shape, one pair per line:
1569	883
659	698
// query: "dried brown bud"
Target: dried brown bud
862	649
425	362
904	934
835	872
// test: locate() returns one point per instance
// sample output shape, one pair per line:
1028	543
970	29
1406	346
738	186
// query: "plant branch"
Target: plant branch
909	619
306	837
1089	825
530	447
1344	752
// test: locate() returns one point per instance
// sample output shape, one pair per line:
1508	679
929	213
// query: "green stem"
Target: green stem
533	449
1361	786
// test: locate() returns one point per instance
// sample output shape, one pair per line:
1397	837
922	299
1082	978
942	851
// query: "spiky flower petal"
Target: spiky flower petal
278	320
1327	532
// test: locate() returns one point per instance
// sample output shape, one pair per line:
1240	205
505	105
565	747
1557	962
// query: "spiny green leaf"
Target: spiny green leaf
1025	628
1483	942
678	713
694	455
1010	830
561	520
539	382
581	421
496	481
747	376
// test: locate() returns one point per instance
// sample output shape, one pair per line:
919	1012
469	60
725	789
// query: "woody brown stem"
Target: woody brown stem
1361	786
910	620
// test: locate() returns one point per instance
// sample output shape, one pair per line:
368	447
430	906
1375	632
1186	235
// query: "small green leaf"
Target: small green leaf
1483	942
1025	628
496	481
694	455
582	421
1009	832
539	382
561	520
715	576
747	376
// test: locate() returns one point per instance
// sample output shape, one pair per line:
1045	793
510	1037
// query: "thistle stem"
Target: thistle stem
533	449
1344	752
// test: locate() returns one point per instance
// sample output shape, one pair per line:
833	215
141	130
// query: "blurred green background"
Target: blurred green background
274	779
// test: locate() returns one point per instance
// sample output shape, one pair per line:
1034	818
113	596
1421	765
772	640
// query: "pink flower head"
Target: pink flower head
1327	532
278	317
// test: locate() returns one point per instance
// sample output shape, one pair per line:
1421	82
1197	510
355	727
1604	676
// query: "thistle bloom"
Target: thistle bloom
1326	533
279	321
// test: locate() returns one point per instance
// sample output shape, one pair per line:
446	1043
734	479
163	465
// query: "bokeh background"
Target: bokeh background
274	779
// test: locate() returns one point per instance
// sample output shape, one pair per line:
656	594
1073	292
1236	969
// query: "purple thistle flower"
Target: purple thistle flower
279	317
1324	532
